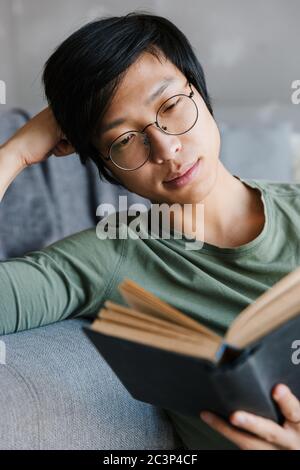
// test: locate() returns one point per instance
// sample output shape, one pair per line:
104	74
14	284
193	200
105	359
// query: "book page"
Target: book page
205	350
144	301
273	308
127	314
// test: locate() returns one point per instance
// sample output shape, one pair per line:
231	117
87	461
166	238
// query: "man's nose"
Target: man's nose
163	146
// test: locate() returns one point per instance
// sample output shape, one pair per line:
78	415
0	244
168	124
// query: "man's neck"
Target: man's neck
233	213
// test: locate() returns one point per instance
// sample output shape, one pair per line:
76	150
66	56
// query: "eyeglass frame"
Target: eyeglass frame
191	94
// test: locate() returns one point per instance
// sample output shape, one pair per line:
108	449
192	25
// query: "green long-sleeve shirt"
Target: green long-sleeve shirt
74	276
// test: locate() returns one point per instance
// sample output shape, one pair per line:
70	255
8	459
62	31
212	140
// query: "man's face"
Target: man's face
170	154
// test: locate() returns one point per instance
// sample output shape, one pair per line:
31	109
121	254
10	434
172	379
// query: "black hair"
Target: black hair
82	75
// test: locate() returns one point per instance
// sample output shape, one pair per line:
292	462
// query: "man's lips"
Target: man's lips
185	178
179	175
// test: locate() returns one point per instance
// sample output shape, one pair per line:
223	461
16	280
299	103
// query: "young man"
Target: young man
129	93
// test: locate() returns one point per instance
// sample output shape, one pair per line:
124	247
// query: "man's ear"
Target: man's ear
63	148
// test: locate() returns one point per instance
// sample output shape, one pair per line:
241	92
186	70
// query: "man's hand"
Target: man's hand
266	434
38	139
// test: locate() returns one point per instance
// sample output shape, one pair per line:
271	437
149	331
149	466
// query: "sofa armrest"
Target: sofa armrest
57	393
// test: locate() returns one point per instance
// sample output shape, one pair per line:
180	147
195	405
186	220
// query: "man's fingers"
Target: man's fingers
288	403
262	427
243	440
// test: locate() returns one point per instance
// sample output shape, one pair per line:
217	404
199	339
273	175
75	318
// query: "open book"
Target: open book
167	358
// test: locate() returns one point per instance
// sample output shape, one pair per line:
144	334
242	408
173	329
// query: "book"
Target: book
170	360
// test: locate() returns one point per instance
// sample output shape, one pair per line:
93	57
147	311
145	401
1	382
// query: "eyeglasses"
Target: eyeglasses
176	116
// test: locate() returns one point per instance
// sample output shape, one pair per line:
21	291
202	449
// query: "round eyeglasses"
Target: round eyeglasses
177	115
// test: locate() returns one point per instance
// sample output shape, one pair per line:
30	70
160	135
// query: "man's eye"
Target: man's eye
171	106
126	140
122	143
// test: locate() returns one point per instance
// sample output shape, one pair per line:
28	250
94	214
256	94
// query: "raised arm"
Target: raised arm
31	144
66	279
10	167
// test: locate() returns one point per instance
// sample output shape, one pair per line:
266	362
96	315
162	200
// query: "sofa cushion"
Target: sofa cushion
58	393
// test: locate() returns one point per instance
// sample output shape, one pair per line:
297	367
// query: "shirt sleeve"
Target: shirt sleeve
67	279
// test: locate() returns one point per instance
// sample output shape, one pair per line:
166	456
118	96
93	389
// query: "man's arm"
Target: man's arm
64	279
10	167
33	143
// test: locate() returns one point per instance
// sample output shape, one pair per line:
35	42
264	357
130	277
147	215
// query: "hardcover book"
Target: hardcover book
168	359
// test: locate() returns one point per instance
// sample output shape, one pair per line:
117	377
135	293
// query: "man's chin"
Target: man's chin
191	196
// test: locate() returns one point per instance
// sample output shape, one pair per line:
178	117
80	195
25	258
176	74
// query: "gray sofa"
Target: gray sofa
56	391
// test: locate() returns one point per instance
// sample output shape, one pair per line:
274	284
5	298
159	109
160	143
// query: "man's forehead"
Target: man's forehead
148	92
145	75
148	62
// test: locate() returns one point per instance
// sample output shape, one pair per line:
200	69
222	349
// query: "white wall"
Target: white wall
249	49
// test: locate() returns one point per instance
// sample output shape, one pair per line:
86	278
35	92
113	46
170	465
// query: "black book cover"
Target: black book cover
189	385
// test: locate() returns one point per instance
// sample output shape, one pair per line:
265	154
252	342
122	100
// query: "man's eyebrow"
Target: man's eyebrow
161	88
163	85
